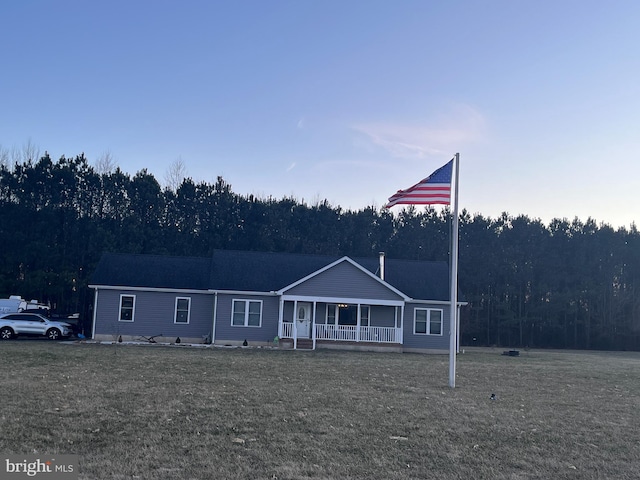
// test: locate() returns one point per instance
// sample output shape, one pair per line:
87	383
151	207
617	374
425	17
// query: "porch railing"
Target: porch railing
349	333
379	334
287	330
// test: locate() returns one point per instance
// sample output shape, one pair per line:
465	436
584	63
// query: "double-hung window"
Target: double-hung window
364	315
332	312
246	313
183	310
127	308
427	321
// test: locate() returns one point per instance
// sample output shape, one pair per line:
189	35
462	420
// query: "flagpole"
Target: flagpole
436	189
453	315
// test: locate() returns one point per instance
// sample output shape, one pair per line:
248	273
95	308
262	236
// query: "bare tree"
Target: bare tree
30	151
4	157
175	175
15	155
105	163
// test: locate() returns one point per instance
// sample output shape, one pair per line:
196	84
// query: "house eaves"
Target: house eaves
150	289
242	292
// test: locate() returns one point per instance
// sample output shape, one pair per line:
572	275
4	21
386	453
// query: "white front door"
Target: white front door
303	320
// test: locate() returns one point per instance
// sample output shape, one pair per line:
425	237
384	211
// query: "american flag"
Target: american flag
435	189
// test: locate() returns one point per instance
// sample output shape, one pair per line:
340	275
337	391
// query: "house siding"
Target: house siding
265	333
426	342
383	316
153	315
343	280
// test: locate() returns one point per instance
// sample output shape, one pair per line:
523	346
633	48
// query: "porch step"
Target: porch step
305	344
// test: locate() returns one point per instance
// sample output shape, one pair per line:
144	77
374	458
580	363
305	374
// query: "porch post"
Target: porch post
295	324
395	324
358	325
402	324
280	317
313	325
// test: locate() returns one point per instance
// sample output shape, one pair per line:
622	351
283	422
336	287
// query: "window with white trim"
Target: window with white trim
246	313
343	314
127	308
182	312
364	315
332	309
427	321
347	314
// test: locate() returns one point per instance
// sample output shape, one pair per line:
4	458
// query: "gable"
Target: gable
343	280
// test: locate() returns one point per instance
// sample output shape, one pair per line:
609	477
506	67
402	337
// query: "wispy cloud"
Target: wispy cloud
361	165
291	167
443	135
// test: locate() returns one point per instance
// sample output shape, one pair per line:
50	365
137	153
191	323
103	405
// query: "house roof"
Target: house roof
153	271
260	272
417	279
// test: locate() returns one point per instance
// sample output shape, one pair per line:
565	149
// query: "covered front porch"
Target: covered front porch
307	322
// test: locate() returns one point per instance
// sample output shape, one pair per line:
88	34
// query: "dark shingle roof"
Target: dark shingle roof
418	279
260	272
154	271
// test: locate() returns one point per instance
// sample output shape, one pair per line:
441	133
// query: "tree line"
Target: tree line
568	284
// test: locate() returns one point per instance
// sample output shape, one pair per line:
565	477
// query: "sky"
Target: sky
345	100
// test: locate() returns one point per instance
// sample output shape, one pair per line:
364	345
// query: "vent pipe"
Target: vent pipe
382	265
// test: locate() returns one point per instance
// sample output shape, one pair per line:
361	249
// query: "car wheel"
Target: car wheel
53	334
6	333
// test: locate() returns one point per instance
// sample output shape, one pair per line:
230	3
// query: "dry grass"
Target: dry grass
185	413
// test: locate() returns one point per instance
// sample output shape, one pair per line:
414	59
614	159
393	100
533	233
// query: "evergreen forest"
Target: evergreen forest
566	284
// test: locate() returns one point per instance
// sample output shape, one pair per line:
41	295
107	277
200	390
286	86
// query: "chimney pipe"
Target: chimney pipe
382	265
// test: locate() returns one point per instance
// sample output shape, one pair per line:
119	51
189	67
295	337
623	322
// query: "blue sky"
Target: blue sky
344	100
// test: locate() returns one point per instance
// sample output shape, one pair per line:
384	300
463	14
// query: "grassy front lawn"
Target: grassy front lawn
154	412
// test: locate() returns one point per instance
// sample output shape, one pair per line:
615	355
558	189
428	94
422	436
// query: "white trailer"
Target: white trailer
17	304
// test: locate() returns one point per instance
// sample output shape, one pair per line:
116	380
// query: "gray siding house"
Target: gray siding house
297	301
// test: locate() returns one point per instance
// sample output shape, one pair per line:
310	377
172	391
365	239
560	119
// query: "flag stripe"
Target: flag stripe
439	194
435	189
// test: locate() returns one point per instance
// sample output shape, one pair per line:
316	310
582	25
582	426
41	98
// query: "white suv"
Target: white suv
14	324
